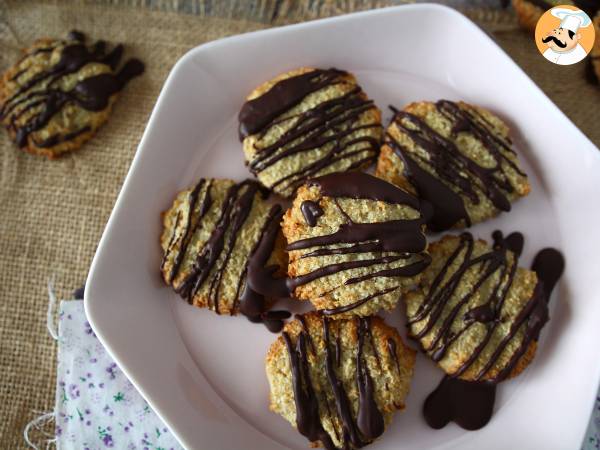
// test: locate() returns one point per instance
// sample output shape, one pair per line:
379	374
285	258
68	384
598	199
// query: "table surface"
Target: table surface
53	212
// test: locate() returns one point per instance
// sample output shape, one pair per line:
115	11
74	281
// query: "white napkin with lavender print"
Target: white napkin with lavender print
96	405
98	408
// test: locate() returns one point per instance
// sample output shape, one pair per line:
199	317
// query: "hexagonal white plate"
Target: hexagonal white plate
204	374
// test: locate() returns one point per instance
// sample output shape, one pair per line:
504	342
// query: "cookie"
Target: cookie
456	157
339	381
354	241
476	313
60	92
307	123
209	237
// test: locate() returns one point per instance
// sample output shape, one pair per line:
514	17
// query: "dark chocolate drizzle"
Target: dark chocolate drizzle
252	304
92	93
471	403
329	122
356	431
234	211
392	349
311	212
456	177
395	235
401	236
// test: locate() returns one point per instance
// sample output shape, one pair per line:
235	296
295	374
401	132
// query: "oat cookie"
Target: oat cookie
339	382
209	235
455	156
307	123
60	92
354	242
476	313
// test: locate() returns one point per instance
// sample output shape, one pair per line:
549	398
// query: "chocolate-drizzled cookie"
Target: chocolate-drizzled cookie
306	123
476	313
339	381
210	234
61	91
456	157
354	242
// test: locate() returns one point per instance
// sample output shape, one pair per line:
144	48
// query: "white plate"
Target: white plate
204	374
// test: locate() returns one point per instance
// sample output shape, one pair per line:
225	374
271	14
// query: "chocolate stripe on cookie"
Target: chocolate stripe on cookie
335	126
357	429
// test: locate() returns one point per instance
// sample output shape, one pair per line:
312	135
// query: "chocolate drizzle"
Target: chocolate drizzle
252	304
369	420
330	123
391	343
356	431
311	212
210	264
470	403
42	91
395	235
401	236
446	177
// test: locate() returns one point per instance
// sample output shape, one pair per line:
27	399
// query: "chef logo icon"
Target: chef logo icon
564	35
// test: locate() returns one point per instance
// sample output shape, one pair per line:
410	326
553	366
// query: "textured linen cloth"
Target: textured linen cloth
97	407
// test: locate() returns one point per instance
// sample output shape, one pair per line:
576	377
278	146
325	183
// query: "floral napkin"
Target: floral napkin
96	405
98	408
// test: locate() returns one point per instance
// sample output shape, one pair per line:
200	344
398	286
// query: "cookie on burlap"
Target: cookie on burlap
475	312
530	11
60	92
306	123
339	382
456	157
354	241
209	234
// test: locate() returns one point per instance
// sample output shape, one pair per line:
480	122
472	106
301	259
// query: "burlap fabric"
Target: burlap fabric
52	213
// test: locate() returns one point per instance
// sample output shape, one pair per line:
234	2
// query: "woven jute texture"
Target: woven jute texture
52	213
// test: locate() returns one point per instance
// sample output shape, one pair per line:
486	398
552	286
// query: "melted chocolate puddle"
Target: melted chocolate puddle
471	404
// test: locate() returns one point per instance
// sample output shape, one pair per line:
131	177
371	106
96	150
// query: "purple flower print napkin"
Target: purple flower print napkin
96	405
